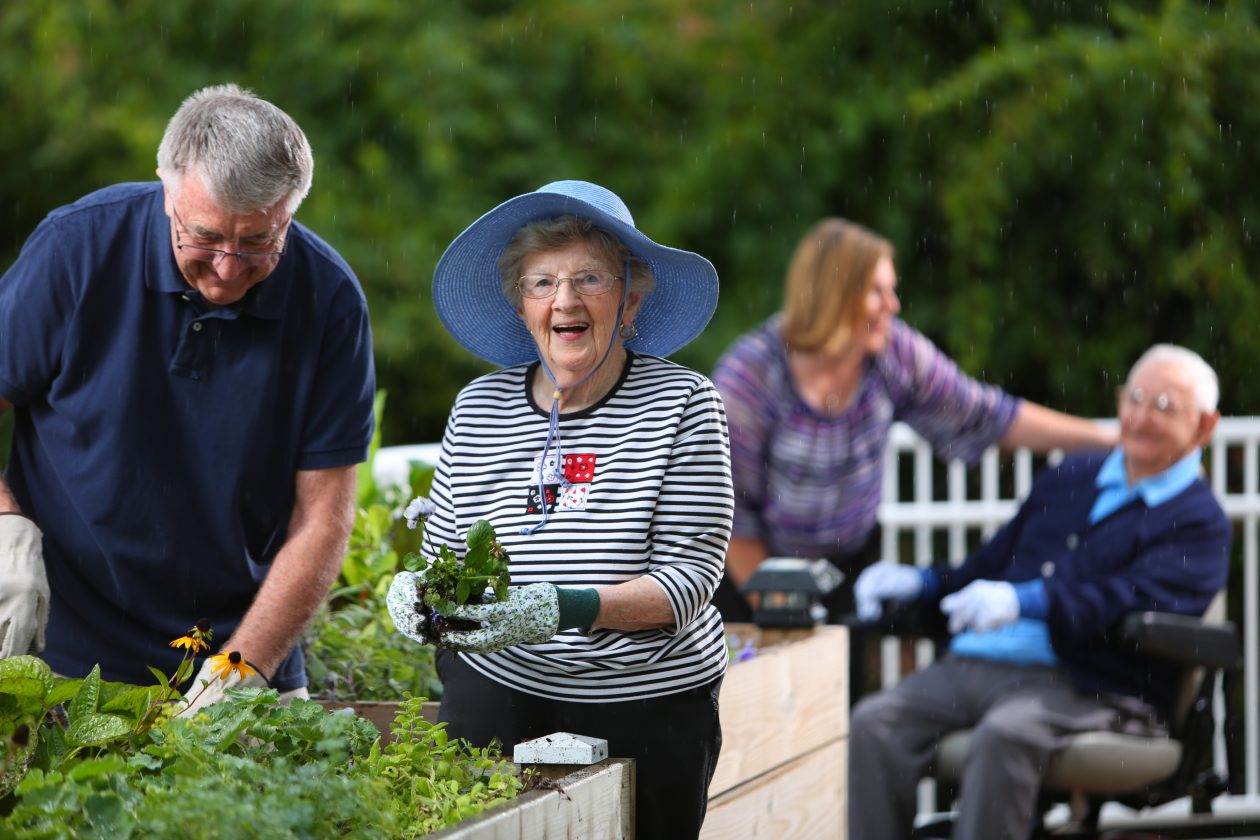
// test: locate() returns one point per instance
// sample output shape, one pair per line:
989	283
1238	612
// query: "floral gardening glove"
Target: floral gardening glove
404	606
530	614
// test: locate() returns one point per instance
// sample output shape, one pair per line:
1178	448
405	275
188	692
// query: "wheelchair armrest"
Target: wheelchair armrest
1183	639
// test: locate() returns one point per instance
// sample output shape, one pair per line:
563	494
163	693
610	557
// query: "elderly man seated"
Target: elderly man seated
1033	612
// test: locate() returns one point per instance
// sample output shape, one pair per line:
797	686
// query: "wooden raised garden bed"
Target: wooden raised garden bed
589	803
782	771
785	728
580	803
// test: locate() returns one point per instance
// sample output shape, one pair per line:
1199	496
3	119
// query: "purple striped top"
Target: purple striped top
809	485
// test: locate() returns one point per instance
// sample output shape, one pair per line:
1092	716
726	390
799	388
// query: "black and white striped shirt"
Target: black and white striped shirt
644	489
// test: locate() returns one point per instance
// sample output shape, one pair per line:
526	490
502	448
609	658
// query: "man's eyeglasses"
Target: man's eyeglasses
1163	402
588	282
204	254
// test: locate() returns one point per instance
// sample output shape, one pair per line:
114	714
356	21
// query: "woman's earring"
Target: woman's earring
628	332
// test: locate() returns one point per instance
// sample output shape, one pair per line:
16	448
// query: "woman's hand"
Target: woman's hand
531	614
404	606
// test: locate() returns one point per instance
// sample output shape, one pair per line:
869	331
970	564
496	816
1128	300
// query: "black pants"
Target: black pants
674	740
863	647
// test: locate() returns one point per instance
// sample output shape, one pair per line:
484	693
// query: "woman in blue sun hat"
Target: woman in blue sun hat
605	471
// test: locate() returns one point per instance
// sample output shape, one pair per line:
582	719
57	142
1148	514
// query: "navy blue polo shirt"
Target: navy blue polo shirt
156	436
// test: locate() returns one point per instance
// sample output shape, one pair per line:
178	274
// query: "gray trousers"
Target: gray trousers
1020	715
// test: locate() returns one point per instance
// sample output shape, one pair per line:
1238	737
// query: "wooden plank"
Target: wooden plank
791	698
593	803
805	799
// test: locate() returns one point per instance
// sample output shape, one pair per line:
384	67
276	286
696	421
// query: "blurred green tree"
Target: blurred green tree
1065	182
1092	181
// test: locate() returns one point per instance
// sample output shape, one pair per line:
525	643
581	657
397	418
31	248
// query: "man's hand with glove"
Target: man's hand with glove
24	592
219	673
885	582
530	615
981	605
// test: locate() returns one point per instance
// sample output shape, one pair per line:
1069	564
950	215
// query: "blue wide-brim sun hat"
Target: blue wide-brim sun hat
468	294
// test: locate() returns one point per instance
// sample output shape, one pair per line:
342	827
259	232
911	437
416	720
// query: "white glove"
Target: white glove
981	605
216	676
24	592
885	582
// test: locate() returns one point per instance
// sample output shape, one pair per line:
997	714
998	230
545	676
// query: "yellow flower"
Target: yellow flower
223	664
193	643
196	637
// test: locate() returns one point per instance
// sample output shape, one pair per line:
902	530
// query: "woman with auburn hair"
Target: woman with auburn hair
812	393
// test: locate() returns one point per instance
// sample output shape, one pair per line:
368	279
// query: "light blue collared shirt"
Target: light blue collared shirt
1116	492
1027	640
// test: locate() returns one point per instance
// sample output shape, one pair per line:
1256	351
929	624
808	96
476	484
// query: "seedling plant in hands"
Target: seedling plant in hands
446	581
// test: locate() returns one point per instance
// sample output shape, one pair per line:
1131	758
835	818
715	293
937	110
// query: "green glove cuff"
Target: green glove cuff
578	608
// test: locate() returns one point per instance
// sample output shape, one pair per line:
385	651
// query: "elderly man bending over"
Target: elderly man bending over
191	371
1100	536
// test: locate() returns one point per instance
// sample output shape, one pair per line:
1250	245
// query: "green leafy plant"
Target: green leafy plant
352	650
249	767
51	720
435	781
354	653
380	537
480	577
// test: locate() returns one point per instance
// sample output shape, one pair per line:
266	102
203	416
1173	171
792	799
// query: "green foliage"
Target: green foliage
352	650
368	490
377	542
354	653
251	767
1065	182
246	768
1094	172
436	782
98	715
380	536
449	581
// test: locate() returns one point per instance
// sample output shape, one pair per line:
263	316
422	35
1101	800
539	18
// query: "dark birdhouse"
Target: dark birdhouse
791	590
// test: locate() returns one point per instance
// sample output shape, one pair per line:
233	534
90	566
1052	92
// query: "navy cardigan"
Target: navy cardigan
1170	558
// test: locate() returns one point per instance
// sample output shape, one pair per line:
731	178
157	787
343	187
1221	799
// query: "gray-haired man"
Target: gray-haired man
192	377
1034	659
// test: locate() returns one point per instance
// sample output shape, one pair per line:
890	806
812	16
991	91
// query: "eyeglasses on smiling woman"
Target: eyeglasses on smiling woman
588	282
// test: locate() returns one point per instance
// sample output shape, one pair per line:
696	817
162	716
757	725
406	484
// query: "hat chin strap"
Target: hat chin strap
553	421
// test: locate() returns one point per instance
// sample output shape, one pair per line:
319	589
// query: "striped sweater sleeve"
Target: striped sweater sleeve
691	524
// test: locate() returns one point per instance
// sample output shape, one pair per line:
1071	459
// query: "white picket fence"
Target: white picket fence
942	504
